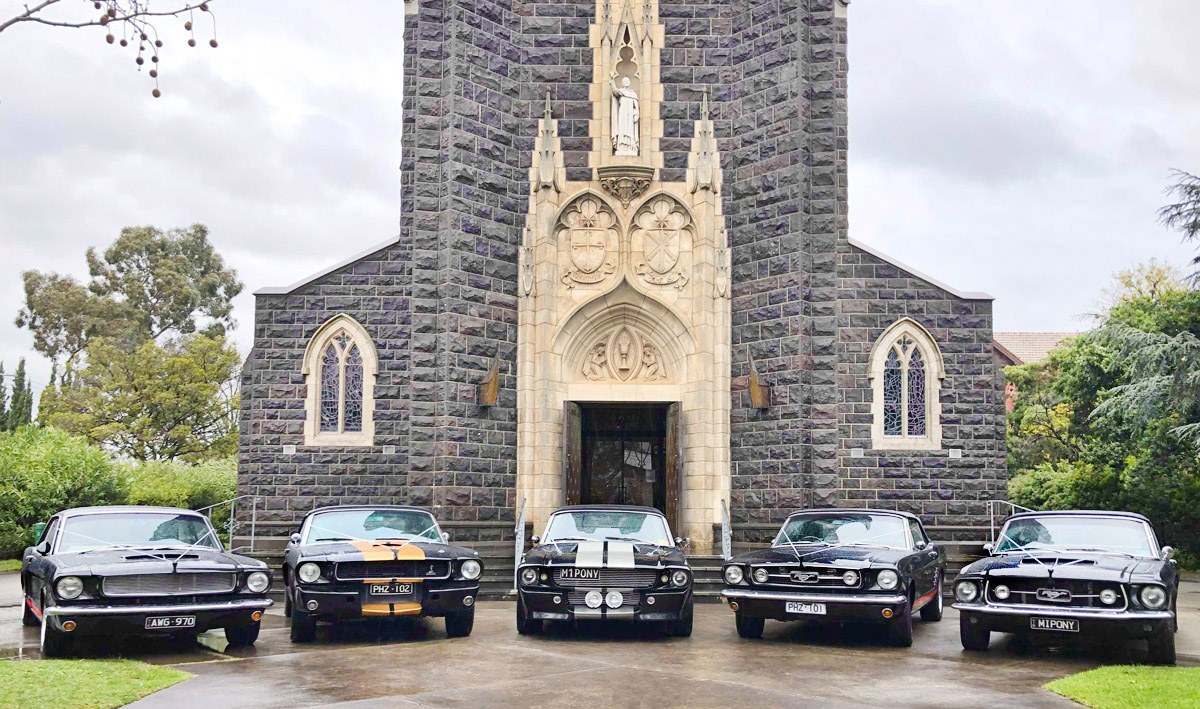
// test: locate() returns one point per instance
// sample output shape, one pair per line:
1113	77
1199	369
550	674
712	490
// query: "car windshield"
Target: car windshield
845	529
602	525
142	530
371	525
1076	533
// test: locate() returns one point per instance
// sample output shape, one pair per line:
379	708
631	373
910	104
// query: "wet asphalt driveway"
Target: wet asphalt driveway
414	663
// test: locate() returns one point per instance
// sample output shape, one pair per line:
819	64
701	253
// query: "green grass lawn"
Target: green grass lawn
10	564
1119	687
95	684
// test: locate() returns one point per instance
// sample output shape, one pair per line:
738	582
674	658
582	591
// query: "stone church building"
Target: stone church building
624	273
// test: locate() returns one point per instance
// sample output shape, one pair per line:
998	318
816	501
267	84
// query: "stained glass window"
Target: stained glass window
330	389
916	394
893	424
353	412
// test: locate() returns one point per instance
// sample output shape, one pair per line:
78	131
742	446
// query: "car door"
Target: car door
37	565
928	557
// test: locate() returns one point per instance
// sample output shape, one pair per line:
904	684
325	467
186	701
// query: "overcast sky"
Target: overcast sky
1014	147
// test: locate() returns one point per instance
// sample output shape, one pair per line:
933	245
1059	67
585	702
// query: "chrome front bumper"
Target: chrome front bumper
247	604
738	594
1024	609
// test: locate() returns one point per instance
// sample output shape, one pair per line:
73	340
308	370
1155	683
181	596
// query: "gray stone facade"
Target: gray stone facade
440	299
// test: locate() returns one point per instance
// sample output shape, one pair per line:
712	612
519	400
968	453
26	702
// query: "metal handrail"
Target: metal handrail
1012	508
520	543
231	525
726	532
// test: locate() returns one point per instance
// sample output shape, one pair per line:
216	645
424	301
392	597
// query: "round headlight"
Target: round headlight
259	581
69	587
1152	596
888	579
761	576
733	575
529	575
1001	592
850	578
1108	596
679	578
309	572
471	569
966	591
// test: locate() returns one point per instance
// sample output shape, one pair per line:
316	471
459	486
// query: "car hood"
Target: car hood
382	551
122	562
845	557
1072	566
607	554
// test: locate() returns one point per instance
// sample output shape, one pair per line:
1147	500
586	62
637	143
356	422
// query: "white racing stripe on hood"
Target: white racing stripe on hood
590	555
620	555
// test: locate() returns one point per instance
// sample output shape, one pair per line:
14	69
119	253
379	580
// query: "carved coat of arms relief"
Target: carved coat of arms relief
588	229
662	232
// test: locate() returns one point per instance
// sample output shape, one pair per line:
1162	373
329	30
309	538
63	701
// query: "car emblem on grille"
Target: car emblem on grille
804	576
1058	595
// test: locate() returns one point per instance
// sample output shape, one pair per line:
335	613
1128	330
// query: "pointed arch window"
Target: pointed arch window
340	366
906	373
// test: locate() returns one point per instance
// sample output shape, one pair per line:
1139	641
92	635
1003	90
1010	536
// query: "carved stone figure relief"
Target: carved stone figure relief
624	118
662	230
595	367
588	229
624	355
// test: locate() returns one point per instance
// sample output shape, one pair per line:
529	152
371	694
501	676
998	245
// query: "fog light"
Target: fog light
733	606
887	612
256	616
1001	592
312	605
545	577
614	599
663	578
1108	596
649	600
68	625
468	601
594	599
557	600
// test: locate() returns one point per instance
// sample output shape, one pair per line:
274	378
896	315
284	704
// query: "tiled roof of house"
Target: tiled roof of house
1031	346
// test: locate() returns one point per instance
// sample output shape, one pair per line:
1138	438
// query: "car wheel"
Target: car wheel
304	626
459	623
974	637
54	643
900	627
749	628
29	619
287	601
682	628
242	635
525	624
932	612
1162	648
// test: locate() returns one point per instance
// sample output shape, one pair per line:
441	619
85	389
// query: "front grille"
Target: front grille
610	578
578	598
177	584
359	570
1083	594
815	578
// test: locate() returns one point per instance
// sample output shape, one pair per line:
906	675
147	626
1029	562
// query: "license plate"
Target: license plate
573	574
806	608
1062	625
390	589
170	622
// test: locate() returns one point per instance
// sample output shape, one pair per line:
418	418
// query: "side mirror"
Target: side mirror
680	541
921	544
445	537
535	539
1168	552
43	548
295	538
989	548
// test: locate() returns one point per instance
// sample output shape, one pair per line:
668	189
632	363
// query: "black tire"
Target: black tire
242	635
900	627
525	624
974	638
55	643
682	628
1162	647
304	626
287	601
932	612
747	627
28	618
459	623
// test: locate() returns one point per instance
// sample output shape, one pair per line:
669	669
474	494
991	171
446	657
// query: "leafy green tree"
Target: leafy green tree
176	400
20	410
3	397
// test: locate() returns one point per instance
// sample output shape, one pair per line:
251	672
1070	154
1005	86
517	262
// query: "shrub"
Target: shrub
44	470
179	484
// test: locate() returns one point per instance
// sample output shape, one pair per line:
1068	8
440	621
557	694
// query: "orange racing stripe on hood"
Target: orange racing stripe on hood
374	552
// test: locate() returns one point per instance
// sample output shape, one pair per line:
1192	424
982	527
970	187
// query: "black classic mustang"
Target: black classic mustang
138	570
377	561
1070	574
605	562
839	566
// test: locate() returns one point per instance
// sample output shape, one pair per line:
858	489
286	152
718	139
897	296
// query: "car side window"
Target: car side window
49	532
918	534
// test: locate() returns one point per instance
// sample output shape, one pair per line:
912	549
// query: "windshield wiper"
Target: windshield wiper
800	541
333	539
627	539
1102	550
569	539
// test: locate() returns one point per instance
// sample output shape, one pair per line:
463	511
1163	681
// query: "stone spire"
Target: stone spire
704	164
546	167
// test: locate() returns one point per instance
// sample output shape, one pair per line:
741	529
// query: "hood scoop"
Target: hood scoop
1056	560
163	557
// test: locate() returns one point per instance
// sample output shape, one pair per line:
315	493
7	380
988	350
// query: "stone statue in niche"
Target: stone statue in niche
652	369
595	368
625	117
